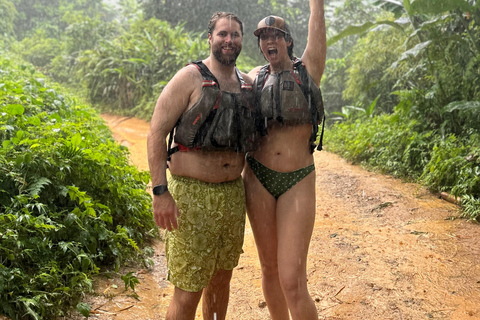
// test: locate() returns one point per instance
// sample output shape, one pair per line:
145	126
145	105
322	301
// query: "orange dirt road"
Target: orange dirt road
381	249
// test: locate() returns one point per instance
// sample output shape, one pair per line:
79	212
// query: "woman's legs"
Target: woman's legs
261	214
282	229
295	214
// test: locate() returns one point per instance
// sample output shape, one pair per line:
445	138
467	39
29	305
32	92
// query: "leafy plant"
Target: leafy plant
470	207
130	281
49	15
38	49
399	146
352	112
70	202
84	309
333	84
7	17
125	75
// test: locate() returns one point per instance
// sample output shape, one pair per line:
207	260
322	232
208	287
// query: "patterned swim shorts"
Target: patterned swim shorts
210	230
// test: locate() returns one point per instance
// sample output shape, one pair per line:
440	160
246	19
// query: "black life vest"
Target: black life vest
219	120
290	97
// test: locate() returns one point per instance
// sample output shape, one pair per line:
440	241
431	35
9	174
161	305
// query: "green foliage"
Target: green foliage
369	74
7	16
352	112
439	6
432	136
69	200
470	207
84	33
339	14
386	60
387	143
49	15
399	145
57	57
84	309
126	74
130	281
38	49
354	30
455	166
333	84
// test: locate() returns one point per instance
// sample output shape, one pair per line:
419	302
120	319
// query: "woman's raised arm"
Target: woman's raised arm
316	50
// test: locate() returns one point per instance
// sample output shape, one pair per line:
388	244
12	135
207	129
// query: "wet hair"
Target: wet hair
220	14
288	37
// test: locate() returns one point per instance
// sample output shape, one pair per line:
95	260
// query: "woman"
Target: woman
280	176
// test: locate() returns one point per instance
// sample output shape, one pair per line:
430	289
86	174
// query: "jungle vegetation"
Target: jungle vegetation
401	90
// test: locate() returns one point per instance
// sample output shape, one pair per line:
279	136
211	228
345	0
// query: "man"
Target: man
208	105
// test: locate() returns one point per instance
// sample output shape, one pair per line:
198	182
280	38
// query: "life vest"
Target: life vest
219	120
290	97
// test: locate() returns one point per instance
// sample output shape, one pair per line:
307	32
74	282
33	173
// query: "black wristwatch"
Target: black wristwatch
160	189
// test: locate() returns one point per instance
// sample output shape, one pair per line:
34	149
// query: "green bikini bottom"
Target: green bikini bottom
277	183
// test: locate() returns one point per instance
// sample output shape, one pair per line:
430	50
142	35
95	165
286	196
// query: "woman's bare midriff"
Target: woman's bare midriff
208	166
286	147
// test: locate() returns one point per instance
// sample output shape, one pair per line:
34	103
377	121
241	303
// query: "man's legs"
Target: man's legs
211	217
215	300
231	228
183	305
215	296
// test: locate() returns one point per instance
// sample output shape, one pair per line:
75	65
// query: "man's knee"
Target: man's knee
186	298
221	277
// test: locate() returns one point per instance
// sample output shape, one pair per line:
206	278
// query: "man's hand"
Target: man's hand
165	211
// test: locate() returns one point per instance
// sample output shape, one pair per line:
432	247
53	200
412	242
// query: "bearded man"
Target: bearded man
207	108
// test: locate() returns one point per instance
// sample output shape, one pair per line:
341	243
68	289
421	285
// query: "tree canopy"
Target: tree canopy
51	15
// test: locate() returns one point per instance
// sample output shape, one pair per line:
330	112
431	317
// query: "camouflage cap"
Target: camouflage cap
273	22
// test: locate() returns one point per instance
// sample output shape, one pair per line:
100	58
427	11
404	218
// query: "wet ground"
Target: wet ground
381	249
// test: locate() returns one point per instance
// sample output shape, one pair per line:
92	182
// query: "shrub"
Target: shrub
69	200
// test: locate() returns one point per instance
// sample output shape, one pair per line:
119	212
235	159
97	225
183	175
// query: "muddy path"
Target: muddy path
381	249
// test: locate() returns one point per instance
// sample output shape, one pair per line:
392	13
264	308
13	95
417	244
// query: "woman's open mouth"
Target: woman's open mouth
272	52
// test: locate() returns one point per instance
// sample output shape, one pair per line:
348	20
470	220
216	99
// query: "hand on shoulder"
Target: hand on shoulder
253	73
247	77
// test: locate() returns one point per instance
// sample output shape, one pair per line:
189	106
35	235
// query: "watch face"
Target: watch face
159	190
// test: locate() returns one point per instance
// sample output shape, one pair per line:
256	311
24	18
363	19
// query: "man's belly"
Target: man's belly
216	166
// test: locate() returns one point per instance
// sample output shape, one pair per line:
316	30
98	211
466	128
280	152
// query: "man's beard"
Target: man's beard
226	60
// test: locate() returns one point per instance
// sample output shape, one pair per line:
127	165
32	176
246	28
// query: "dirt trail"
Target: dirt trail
381	249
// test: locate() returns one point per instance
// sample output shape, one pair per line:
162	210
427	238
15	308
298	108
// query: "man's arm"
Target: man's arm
316	50
173	101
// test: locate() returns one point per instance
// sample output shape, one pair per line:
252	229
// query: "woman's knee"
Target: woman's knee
293	285
269	268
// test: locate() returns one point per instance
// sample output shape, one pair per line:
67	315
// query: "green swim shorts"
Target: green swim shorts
210	231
